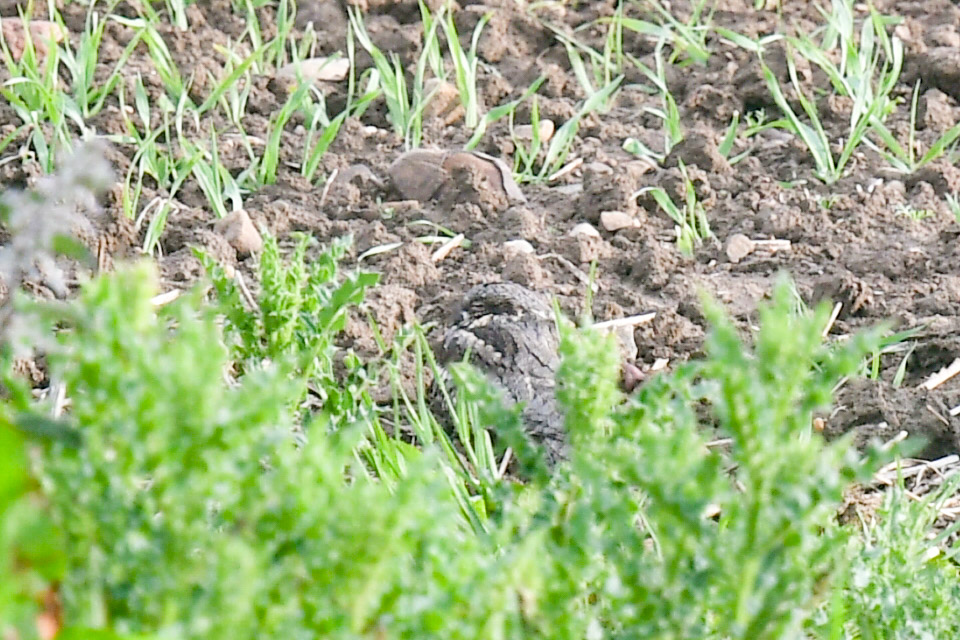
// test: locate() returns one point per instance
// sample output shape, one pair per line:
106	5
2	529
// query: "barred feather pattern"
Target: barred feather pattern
510	334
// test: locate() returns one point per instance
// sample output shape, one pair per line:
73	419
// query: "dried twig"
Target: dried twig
833	318
247	296
326	187
162	299
565	169
629	321
447	247
773	245
942	376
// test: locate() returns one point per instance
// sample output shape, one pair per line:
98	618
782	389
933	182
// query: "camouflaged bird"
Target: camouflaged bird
510	334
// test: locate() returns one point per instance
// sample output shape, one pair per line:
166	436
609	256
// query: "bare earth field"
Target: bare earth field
881	242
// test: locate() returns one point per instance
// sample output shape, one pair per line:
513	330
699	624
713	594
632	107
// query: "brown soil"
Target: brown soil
849	242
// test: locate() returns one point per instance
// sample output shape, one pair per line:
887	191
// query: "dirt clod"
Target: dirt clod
445	104
422	174
700	150
739	247
41	32
238	230
617	220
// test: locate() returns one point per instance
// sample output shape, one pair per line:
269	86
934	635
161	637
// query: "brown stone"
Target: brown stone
739	247
41	32
237	229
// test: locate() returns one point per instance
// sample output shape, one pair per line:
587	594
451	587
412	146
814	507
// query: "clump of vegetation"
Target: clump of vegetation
300	311
897	583
189	503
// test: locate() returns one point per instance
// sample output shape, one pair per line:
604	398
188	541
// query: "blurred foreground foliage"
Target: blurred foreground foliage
184	491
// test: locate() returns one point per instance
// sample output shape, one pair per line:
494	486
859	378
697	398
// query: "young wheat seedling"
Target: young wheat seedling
953	202
563	139
670	113
905	159
867	74
692	226
465	66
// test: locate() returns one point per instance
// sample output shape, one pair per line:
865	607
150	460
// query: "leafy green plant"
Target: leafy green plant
32	556
189	499
126	563
300	310
38	223
902	580
754	571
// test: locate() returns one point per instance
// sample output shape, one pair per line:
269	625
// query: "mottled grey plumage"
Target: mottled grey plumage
510	333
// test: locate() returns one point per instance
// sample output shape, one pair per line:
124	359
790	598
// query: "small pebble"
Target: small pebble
585	229
617	220
739	247
419	174
525	131
512	247
321	69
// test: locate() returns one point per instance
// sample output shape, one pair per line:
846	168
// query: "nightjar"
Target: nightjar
510	334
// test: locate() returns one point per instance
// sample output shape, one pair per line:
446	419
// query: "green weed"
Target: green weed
301	308
248	500
900	557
